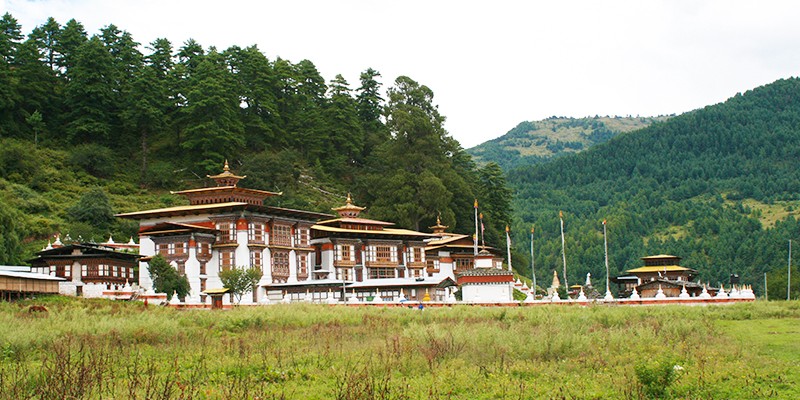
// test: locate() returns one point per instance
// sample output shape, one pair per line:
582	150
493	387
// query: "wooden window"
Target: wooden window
202	268
281	235
163	249
67	271
226	259
385	254
419	254
463	263
255	259
202	285
227	232
302	266
204	249
280	266
344	273
114	271
255	232
381	273
180	248
345	252
302	237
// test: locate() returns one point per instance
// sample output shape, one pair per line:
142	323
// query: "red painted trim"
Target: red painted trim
485	279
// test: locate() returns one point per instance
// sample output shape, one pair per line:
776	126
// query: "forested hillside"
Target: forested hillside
96	124
718	186
535	142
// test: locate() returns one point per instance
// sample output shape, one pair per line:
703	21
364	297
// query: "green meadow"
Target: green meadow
99	349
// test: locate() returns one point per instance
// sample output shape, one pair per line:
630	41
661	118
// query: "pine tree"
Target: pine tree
213	130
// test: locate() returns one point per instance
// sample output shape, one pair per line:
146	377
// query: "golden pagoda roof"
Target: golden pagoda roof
226	177
385	231
349	209
438	228
659	256
659	268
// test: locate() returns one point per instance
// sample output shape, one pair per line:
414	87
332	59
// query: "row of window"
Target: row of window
281	235
99	270
381	253
279	267
182	249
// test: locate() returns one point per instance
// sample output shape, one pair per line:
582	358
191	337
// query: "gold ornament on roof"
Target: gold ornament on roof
438	228
349	210
226	178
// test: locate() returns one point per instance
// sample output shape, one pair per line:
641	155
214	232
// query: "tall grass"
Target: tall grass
102	349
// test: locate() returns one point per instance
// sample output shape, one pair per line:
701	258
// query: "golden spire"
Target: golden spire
226	178
438	228
349	210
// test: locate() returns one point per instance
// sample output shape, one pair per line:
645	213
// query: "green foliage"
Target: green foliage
93	158
93	208
656	377
778	283
536	142
10	236
661	190
240	280
166	278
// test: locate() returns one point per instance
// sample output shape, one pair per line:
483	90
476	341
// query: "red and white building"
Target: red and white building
303	255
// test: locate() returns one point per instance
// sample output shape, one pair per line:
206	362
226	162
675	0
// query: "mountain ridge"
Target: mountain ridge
533	142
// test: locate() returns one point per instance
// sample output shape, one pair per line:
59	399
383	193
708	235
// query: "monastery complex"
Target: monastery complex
305	256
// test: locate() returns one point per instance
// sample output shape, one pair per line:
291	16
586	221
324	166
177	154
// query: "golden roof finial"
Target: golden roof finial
349	210
226	178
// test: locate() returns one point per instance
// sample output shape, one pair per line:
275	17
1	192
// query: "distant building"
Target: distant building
661	271
88	269
18	282
486	283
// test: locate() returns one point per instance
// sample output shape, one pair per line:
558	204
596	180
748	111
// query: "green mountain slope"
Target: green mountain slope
533	142
716	186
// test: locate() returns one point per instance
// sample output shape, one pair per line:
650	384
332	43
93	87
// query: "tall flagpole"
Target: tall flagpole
483	234
789	277
476	227
563	250
608	277
508	247
533	265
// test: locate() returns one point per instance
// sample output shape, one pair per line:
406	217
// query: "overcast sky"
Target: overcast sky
490	64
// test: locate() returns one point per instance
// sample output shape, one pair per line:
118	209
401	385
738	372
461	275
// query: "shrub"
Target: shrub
93	158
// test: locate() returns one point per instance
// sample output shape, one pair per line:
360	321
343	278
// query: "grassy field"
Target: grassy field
101	349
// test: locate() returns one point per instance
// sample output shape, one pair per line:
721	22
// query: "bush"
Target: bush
656	377
93	158
93	208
